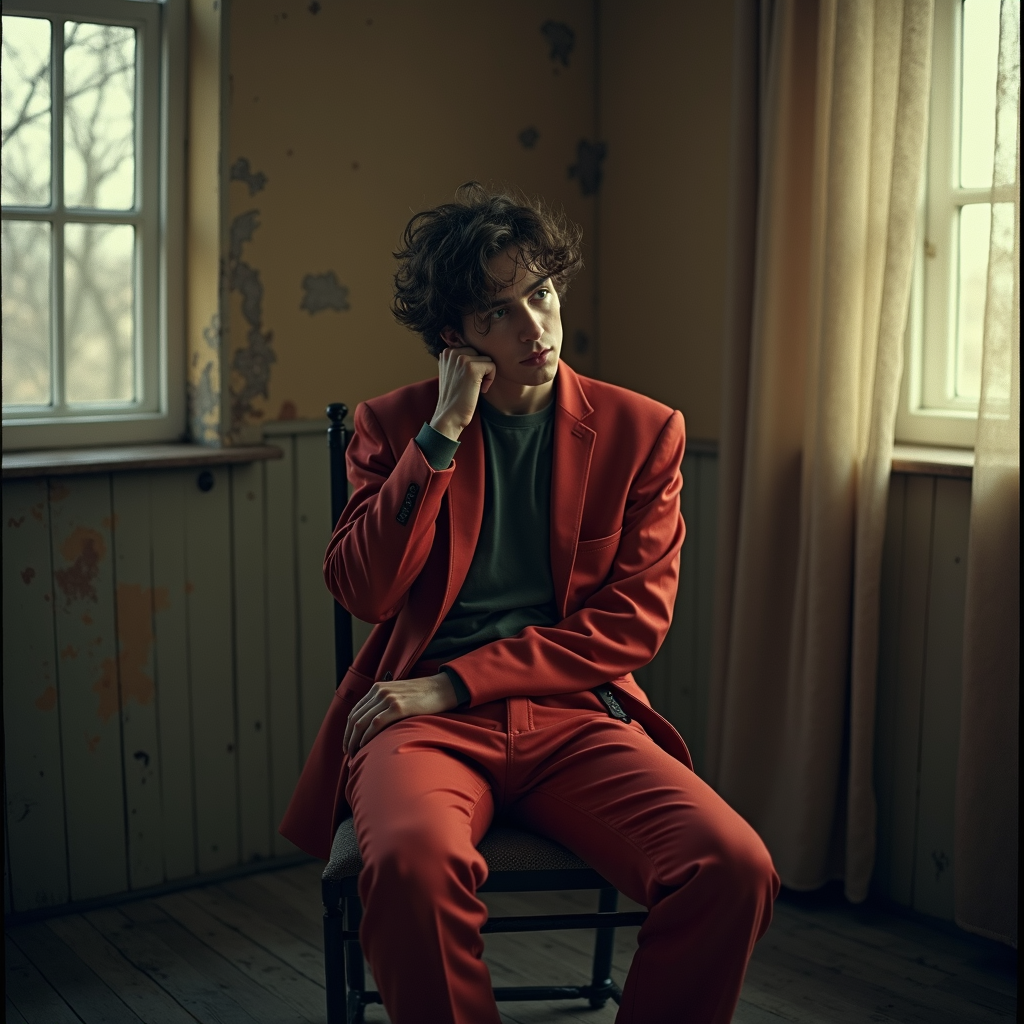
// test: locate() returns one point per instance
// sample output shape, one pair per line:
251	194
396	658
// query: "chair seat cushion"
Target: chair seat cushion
505	848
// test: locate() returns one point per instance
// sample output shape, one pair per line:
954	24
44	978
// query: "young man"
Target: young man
514	530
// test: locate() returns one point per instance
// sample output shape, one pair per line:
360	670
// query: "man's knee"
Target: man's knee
742	866
419	860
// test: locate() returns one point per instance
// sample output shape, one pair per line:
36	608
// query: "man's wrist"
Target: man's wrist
447	426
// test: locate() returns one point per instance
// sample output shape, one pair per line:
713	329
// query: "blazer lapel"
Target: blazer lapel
570	469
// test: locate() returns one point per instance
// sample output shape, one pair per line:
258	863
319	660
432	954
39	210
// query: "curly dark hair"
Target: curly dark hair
443	271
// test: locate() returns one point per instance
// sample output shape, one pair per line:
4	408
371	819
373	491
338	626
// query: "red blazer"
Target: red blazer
402	549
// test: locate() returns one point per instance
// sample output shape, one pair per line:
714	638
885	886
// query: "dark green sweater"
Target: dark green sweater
509	585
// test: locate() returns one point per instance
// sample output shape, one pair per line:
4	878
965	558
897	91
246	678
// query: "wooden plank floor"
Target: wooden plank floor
250	951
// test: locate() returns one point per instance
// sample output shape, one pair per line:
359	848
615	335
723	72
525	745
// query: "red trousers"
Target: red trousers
424	792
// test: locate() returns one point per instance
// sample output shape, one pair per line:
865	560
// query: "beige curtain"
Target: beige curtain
985	853
812	382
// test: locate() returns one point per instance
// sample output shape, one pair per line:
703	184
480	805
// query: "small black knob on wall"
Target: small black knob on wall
205	481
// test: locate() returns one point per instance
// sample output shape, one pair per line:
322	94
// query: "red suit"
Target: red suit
535	744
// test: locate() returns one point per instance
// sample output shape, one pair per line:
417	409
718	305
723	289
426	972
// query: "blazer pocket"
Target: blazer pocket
598	544
353	686
594	559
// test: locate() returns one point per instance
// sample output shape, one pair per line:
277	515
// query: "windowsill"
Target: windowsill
124	458
924	460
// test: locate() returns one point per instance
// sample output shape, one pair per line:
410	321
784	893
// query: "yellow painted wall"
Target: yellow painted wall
359	115
665	114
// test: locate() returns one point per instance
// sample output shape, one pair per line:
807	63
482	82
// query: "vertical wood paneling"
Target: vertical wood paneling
940	699
210	627
887	693
282	635
171	671
90	696
135	603
250	579
316	621
913	615
36	844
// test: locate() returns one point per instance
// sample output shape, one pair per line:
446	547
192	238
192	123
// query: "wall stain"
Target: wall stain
141	755
47	700
324	291
15	523
28	574
528	138
252	363
68	652
91	743
37	511
289	410
241	171
135	607
58	491
87	619
84	549
561	39
588	165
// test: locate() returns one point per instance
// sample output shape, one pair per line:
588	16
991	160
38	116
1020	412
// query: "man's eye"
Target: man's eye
499	314
541	293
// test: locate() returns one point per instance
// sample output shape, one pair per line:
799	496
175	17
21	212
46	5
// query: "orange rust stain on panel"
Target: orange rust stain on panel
135	607
87	619
37	511
27	575
58	491
84	549
110	522
189	586
92	742
68	652
47	700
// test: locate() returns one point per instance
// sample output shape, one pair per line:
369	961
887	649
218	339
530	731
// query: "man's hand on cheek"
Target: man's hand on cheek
391	701
464	374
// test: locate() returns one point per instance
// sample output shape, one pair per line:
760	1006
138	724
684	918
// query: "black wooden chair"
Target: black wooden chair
517	861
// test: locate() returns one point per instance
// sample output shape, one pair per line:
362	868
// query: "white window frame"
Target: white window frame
158	216
929	412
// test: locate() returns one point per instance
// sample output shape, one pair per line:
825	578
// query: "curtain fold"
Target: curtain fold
807	432
985	840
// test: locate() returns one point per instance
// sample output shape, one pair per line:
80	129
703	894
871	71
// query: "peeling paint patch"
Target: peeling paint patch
588	165
324	291
252	363
203	401
84	549
289	410
47	700
241	171
135	607
28	574
528	138
561	39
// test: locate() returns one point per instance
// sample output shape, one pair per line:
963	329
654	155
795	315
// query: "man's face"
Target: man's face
523	324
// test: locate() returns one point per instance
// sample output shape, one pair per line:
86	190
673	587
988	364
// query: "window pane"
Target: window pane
99	312
26	113
26	313
99	116
975	224
978	91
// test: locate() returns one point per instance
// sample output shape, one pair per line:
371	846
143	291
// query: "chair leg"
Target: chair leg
354	964
601	985
334	965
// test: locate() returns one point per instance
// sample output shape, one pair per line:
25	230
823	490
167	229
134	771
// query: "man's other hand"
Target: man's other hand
463	375
394	699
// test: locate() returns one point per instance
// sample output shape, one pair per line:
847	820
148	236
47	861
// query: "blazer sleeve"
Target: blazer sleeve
621	625
383	537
